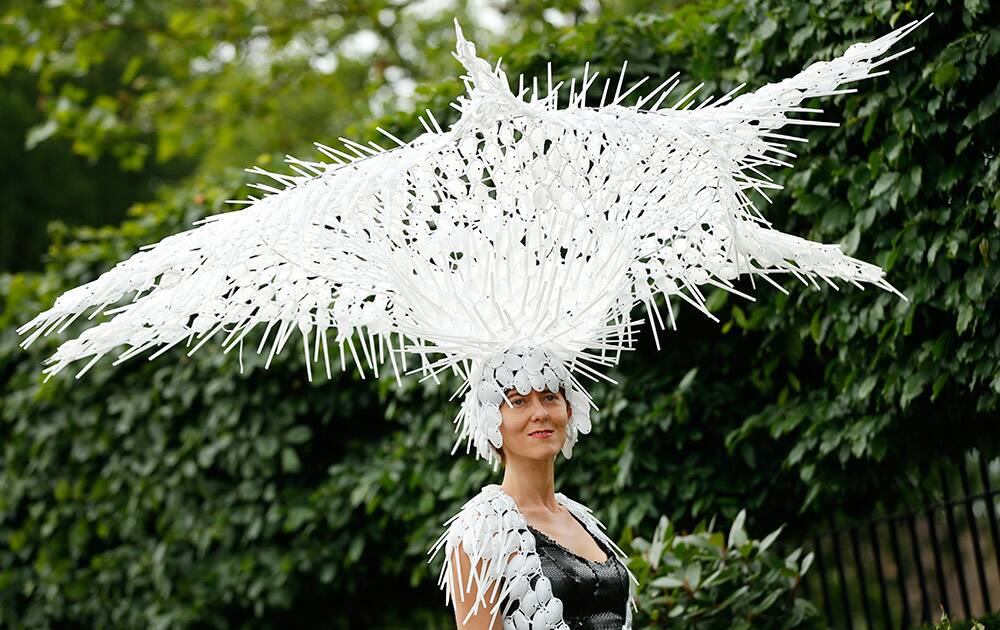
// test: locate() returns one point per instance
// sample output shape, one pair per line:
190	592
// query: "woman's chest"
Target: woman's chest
570	534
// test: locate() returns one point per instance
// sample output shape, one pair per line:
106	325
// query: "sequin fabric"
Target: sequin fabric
594	594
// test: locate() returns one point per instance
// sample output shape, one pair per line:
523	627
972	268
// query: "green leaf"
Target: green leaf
297	517
355	550
62	490
40	133
806	563
770	538
945	75
740	318
866	386
766	29
737	535
290	462
912	388
687	380
966	313
131	69
267	446
883	184
692	576
299	434
667	582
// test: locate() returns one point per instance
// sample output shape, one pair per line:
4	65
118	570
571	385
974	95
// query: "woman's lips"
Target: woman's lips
541	434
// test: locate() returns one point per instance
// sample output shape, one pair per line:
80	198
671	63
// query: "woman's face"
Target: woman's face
535	426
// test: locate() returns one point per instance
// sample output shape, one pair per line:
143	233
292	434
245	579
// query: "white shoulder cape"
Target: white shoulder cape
494	534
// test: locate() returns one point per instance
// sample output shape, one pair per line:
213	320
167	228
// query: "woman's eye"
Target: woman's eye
517	402
550	397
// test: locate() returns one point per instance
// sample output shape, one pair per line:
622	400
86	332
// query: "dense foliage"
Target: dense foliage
183	492
119	98
987	622
704	580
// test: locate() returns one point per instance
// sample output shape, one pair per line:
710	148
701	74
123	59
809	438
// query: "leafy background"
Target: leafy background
182	493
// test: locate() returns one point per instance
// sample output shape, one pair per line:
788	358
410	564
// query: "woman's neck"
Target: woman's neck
531	483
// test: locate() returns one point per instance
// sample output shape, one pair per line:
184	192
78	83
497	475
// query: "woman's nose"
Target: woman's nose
538	410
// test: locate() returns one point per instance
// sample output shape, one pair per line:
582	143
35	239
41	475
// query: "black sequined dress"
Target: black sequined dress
594	594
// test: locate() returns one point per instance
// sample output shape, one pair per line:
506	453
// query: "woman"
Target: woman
520	555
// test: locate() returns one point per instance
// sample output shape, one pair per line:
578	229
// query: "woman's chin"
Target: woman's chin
548	449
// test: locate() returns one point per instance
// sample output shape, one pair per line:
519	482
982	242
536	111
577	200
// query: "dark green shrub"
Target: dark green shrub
706	581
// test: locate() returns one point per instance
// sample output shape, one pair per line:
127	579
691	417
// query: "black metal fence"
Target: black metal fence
898	570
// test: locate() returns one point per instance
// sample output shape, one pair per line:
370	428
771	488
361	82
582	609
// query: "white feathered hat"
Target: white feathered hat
512	248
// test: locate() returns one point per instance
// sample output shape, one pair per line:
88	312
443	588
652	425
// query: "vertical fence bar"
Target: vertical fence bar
955	549
821	565
838	557
977	551
907	620
883	592
991	513
856	548
925	607
953	538
936	548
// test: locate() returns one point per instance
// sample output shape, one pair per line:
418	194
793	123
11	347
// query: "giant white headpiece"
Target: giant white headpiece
512	249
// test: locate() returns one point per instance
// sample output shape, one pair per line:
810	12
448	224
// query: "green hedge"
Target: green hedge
181	492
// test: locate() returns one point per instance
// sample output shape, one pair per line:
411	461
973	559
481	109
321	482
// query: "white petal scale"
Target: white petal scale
523	224
530	601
